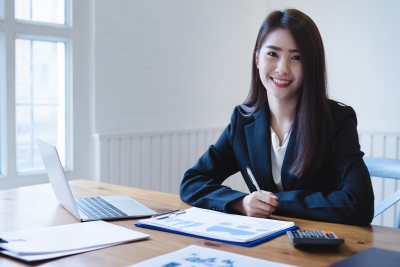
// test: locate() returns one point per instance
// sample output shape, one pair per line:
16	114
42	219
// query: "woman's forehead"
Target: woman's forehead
282	39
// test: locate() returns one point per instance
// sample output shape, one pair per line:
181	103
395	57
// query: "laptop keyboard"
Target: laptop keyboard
96	207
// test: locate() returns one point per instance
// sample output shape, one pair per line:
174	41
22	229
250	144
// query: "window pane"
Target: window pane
45	120
51	11
40	100
23	131
1	9
23	71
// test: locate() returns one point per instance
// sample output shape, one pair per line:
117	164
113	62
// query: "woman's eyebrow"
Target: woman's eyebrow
280	49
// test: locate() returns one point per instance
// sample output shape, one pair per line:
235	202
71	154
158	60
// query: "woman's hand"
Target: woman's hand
256	204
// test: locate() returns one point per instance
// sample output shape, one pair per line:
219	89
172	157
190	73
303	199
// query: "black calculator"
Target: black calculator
308	238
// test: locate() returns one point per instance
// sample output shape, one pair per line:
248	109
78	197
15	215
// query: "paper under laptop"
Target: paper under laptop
87	209
56	241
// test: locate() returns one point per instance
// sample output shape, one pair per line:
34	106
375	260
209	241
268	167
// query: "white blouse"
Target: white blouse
277	156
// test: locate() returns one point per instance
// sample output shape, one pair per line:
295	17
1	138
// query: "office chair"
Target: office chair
385	168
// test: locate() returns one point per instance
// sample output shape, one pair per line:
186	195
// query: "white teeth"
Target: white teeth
280	81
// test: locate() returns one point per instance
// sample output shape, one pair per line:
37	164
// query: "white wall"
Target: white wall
361	39
167	64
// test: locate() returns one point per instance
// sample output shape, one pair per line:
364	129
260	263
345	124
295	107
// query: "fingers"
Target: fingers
265	209
263	213
268	198
269	194
259	204
258	213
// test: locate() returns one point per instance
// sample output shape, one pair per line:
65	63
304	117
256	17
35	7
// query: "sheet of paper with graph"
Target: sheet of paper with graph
196	256
219	225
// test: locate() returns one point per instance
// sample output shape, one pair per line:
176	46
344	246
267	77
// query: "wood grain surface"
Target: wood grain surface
36	206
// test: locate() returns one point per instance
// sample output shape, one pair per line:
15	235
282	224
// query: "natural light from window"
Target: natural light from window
50	11
40	100
1	9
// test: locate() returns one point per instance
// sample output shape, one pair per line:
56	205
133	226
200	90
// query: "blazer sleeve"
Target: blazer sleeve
353	200
201	184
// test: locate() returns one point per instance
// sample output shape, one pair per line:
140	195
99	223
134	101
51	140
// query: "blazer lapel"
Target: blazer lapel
258	138
288	179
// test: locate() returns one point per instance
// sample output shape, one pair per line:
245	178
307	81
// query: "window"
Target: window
39	100
1	9
3	119
36	70
49	11
40	84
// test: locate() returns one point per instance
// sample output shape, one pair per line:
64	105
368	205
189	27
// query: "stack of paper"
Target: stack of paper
195	256
217	225
57	241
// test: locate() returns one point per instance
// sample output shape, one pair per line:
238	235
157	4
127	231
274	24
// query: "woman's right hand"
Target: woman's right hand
256	204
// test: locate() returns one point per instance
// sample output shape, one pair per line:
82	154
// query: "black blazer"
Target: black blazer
339	192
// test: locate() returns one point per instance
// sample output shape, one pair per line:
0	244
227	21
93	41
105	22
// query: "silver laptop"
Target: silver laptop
88	208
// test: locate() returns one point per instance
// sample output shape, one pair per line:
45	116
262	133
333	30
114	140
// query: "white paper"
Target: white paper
39	257
219	225
196	256
68	237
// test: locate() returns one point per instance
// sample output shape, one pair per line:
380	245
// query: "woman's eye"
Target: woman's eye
296	57
272	54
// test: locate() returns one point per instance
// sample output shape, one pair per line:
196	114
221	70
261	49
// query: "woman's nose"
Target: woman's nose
282	67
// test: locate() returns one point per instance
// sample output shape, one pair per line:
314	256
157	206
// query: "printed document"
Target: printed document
217	225
196	256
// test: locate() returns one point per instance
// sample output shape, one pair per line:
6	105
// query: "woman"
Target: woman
301	147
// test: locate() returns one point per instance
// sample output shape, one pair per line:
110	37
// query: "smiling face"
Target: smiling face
279	66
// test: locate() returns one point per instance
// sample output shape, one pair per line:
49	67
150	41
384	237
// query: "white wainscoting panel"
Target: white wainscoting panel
385	145
157	160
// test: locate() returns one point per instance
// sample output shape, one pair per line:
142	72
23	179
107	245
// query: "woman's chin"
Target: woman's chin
282	95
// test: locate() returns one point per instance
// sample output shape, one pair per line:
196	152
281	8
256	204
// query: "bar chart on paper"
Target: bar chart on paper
196	256
219	225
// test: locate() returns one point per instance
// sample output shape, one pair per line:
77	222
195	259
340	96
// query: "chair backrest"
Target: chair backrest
381	167
385	168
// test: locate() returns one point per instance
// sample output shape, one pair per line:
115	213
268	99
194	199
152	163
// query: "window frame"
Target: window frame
3	107
2	10
68	99
78	49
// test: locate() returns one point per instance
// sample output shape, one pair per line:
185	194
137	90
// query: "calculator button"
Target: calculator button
311	234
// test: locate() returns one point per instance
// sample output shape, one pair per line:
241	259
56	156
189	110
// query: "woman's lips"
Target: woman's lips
281	83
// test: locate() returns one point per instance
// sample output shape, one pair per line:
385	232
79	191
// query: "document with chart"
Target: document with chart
217	225
196	256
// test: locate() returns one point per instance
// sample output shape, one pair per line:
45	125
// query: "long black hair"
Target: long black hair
314	120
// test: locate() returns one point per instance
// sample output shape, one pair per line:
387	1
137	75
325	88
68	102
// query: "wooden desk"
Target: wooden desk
36	206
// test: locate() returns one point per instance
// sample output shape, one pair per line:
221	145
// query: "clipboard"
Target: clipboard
248	244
